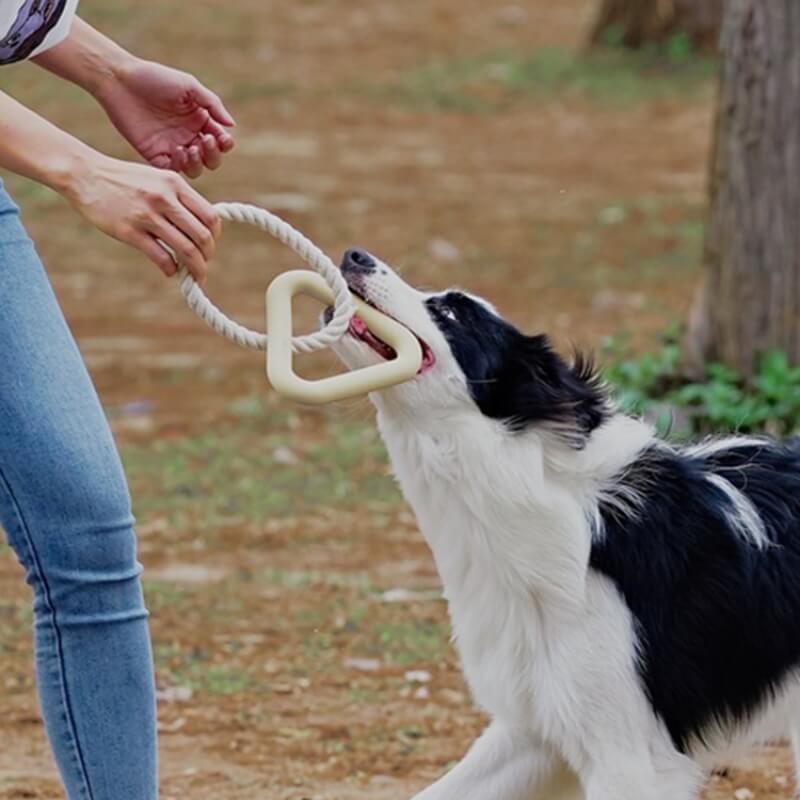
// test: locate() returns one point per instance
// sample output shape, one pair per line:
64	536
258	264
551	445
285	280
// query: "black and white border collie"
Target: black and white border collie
627	611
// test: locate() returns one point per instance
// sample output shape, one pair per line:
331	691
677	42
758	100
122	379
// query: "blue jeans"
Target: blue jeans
65	507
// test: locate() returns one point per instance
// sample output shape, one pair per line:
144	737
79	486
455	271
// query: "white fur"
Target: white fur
744	517
547	645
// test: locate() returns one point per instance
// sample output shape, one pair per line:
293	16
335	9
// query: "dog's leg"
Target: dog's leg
631	776
504	765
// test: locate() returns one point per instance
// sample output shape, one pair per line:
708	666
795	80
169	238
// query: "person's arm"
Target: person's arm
86	58
168	116
134	203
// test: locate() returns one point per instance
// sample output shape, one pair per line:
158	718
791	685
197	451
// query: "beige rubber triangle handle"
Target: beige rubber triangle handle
280	370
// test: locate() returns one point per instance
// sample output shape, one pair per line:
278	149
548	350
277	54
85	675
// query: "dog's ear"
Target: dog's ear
531	384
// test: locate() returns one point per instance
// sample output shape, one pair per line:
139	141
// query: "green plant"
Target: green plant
653	384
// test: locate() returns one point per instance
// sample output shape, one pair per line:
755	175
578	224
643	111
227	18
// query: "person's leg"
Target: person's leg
64	505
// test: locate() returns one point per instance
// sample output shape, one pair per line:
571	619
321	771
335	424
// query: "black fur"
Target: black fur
517	378
718	618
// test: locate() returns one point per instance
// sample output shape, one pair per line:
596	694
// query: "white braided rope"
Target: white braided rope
343	309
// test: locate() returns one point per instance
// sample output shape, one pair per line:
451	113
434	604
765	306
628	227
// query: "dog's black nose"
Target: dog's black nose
358	260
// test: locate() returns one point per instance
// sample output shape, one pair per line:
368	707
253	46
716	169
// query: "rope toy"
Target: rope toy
328	287
344	308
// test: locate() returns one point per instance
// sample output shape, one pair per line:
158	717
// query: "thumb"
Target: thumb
210	101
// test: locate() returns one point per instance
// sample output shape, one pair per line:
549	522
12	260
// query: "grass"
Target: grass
491	81
410	642
192	668
241	472
663	237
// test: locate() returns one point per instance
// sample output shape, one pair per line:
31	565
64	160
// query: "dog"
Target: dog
626	610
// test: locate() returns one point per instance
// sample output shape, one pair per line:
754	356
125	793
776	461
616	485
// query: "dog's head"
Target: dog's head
473	359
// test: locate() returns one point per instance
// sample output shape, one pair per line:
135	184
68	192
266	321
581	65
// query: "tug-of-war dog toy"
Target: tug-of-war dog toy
329	287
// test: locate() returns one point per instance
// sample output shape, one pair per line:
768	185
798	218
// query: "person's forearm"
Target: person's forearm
35	148
86	57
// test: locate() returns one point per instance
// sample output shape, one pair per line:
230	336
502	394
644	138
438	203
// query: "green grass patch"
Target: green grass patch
410	642
241	472
491	81
193	668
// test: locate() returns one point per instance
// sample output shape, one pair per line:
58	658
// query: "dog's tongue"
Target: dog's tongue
358	326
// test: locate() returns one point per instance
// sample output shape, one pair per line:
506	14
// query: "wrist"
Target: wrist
70	168
104	68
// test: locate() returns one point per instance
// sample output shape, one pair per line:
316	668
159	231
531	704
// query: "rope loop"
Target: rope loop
343	308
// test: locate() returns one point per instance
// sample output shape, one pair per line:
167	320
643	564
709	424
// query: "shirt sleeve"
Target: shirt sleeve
29	27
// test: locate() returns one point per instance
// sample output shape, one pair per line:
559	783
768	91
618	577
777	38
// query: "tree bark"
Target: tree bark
750	299
638	22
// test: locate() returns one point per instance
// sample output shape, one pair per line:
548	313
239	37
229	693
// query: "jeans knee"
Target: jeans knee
91	569
79	552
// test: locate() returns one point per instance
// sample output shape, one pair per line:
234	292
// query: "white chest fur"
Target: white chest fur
511	539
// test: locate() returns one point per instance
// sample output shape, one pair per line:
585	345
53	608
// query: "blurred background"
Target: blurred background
553	157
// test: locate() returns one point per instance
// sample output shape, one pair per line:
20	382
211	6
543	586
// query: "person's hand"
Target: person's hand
142	206
168	116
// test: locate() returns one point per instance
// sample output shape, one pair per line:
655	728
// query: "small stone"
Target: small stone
174	694
397	596
171	727
363	664
423	693
285	457
743	794
418	676
453	697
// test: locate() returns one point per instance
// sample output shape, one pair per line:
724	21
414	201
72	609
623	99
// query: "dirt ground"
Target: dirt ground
301	643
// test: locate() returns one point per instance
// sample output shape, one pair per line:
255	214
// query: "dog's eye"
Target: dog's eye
449	313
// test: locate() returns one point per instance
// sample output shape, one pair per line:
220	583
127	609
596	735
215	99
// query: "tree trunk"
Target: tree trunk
750	300
634	23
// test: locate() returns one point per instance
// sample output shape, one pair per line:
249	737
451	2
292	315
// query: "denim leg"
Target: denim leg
65	507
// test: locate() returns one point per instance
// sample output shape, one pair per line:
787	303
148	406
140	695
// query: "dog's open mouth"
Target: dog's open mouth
358	330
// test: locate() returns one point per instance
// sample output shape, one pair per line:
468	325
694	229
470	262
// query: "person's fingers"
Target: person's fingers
202	209
225	141
198	118
191	226
162	161
186	250
207	99
149	245
194	161
180	159
212	157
